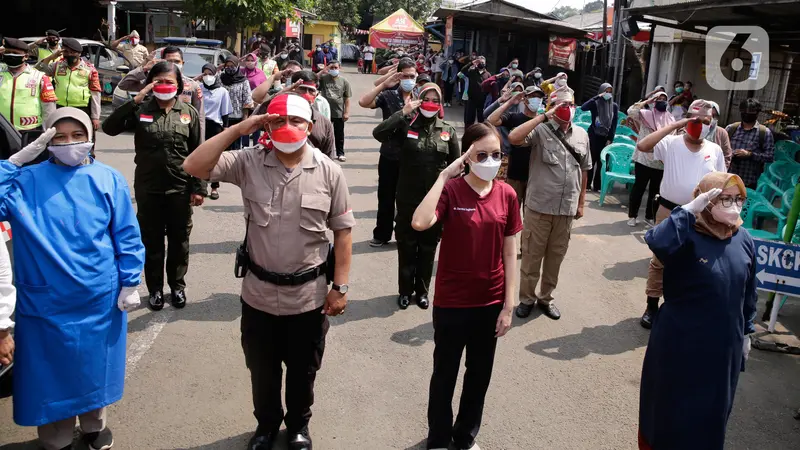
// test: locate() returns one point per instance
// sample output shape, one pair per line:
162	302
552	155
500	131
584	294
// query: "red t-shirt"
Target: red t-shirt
470	272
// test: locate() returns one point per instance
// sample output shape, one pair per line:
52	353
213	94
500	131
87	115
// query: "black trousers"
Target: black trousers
338	134
596	145
367	66
448	92
644	176
454	330
298	341
388	173
163	215
416	251
473	110
213	129
240	141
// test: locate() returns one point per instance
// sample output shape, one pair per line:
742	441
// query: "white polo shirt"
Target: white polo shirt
683	169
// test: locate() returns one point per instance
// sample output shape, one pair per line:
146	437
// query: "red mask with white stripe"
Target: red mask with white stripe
165	91
289	138
429	109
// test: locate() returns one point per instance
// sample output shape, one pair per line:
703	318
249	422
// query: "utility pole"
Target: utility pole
604	61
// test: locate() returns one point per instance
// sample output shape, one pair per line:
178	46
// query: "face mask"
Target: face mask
284	55
165	91
486	170
71	154
727	216
481	66
135	41
534	103
661	105
13	61
694	130
310	98
429	109
408	85
607	96
452	61
71	60
288	139
263	55
250	65
678	90
705	131
514	65
561	82
537	75
178	65
746	117
400	53
231	70
209	80
52	44
334	72
565	113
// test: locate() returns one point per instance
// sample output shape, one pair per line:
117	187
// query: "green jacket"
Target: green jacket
427	146
162	142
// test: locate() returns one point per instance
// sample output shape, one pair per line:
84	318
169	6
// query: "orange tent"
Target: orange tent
397	29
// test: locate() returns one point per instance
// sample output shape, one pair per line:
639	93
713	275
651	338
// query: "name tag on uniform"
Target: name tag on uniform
412	135
145	118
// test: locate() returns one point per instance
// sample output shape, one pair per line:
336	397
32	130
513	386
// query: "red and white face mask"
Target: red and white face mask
165	91
429	109
565	113
288	138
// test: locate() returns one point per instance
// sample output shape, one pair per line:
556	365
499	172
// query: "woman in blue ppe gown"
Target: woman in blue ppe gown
698	344
78	256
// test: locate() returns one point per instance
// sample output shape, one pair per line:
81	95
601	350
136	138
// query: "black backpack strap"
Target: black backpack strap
562	137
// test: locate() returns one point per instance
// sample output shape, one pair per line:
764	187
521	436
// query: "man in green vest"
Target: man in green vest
50	41
77	83
26	94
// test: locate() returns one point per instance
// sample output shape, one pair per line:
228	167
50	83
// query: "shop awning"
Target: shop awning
778	17
397	29
486	19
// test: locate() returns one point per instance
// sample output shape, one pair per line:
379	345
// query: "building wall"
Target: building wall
327	31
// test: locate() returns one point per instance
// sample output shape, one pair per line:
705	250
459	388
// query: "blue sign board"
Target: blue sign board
778	267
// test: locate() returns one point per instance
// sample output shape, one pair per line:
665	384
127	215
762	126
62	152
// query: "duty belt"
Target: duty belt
288	279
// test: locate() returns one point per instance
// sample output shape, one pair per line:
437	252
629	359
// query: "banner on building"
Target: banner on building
561	52
293	27
448	32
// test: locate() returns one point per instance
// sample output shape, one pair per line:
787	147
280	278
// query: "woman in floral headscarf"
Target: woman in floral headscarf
698	344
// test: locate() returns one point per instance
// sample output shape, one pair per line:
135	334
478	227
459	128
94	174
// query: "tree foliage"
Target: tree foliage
346	12
244	13
594	6
420	10
350	12
562	12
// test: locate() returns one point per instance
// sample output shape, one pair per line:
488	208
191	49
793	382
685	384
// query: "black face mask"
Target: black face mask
748	117
71	60
481	66
661	105
231	70
52	44
13	61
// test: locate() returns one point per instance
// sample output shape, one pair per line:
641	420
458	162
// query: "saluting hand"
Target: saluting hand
456	167
392	81
143	93
411	106
255	123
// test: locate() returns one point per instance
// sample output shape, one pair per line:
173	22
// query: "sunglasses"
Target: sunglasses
482	156
728	201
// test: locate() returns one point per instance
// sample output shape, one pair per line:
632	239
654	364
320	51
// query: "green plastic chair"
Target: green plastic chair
757	205
584	125
786	151
621	116
781	175
619	139
617	169
625	131
582	116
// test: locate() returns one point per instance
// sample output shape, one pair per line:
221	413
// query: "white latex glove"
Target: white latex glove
701	201
128	299
746	345
32	150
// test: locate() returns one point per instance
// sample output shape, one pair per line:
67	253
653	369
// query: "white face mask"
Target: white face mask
486	170
71	154
728	216
179	66
534	103
561	82
706	131
537	75
606	96
209	79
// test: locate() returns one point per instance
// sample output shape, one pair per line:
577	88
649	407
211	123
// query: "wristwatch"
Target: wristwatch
341	289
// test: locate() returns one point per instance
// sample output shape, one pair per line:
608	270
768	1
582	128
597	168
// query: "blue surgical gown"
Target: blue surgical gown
694	355
76	242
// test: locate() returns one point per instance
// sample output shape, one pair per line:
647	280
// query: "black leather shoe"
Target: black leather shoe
156	301
647	318
178	299
550	310
524	310
262	442
403	301
300	440
422	301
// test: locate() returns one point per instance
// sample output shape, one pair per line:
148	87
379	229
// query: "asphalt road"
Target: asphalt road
568	384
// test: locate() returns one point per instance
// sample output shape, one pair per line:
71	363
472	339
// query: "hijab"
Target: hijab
605	113
705	222
213	70
423	90
255	75
655	119
236	78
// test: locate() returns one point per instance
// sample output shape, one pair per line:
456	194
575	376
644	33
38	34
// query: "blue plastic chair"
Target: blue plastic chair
617	169
757	205
625	131
786	151
620	139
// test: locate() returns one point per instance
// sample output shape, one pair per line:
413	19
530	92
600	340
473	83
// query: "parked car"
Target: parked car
111	64
350	52
196	54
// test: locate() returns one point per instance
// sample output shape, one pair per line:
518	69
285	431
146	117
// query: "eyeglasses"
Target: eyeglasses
727	201
482	156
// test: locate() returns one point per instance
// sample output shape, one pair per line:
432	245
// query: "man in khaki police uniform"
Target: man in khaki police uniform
559	164
292	194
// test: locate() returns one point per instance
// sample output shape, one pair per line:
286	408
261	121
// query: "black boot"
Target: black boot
178	299
403	301
422	301
299	440
156	301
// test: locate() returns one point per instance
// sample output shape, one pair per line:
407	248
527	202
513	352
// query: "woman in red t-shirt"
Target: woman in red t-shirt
475	281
